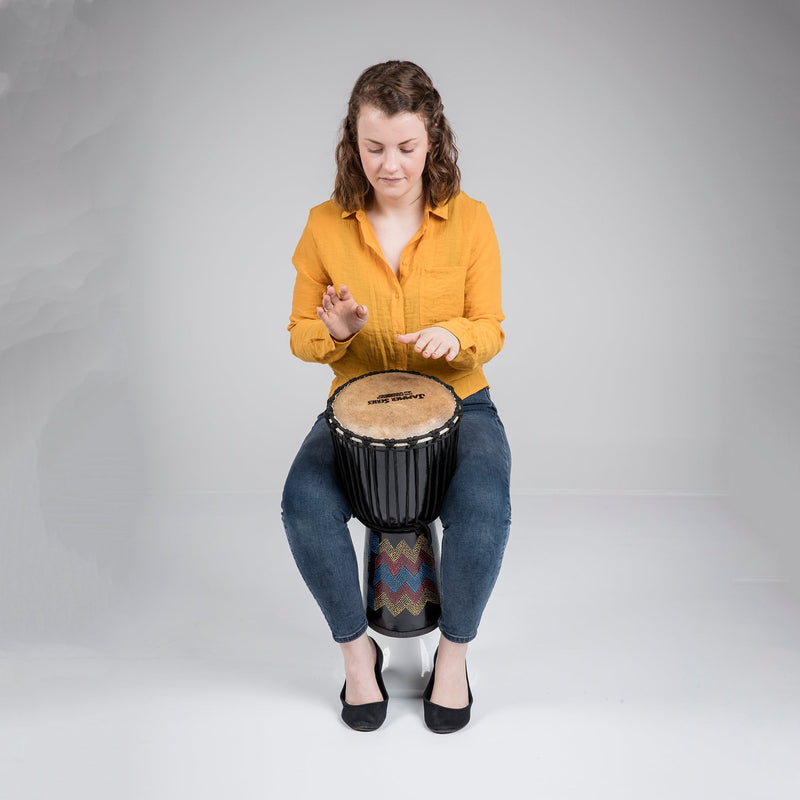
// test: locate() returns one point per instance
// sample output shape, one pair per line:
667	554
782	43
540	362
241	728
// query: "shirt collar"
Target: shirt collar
440	211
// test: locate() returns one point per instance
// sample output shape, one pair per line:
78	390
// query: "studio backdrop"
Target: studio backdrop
641	163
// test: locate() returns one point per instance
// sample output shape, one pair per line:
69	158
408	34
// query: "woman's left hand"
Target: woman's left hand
432	342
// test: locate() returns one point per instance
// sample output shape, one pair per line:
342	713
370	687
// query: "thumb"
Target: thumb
407	338
362	312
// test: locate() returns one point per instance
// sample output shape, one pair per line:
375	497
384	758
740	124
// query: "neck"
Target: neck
400	208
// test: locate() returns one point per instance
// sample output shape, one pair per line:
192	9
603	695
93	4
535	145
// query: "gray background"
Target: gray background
641	162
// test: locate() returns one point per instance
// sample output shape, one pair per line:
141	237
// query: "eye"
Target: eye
407	152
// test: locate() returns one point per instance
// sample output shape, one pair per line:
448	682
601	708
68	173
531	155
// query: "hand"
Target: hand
432	342
340	313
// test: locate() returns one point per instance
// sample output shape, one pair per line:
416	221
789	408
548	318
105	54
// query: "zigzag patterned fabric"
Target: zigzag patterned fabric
404	578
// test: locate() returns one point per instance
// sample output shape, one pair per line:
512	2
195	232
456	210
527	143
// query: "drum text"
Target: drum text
393	397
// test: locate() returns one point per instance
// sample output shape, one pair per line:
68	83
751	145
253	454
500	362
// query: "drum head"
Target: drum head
394	405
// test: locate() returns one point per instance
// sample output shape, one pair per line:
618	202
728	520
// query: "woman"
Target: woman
401	270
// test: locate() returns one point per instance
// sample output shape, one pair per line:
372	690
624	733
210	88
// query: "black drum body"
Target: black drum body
396	486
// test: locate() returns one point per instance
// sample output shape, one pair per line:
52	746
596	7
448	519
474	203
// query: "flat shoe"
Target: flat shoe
367	716
441	719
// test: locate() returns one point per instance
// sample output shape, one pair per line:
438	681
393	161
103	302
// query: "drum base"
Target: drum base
401	634
400	582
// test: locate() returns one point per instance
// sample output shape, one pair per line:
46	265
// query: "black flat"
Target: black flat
367	716
441	719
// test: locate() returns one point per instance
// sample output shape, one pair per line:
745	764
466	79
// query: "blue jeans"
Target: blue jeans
475	517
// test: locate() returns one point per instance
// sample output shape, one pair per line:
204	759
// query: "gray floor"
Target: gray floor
635	647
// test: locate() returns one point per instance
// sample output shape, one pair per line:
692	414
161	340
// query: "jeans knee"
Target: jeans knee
477	509
309	503
297	507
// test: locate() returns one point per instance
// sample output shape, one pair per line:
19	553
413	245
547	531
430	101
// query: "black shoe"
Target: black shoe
441	719
367	716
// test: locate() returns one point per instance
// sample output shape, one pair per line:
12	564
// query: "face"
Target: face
393	152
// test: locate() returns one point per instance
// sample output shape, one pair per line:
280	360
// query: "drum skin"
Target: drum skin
396	483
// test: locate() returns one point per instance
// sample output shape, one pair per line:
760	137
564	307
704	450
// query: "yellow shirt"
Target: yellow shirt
449	276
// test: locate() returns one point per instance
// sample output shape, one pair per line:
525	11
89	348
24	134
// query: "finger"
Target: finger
452	351
433	350
342	296
438	345
446	350
422	342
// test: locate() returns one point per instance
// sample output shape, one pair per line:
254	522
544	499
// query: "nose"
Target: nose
390	161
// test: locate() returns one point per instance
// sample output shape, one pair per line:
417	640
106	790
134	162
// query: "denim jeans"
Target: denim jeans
475	518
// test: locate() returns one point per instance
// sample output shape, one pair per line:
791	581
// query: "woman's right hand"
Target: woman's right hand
340	313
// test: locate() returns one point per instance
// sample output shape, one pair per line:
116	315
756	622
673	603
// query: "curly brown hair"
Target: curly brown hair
396	87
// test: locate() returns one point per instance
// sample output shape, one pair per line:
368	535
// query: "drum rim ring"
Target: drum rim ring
449	426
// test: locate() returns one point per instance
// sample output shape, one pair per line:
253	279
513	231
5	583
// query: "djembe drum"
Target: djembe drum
395	436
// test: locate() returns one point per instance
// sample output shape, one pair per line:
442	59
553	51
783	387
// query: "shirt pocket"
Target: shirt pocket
441	294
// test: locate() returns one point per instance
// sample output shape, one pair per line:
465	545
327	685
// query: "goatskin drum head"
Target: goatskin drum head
393	405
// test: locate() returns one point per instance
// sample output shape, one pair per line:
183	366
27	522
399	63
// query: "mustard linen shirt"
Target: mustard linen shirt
449	276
